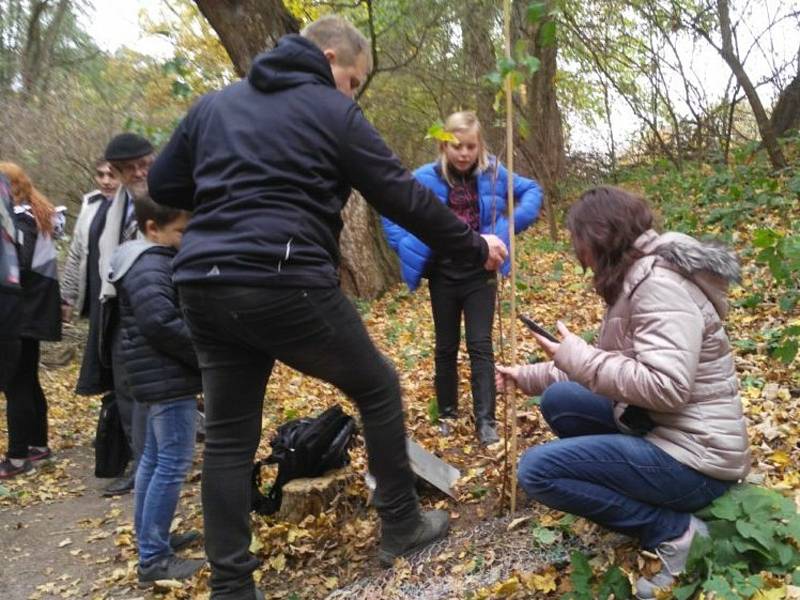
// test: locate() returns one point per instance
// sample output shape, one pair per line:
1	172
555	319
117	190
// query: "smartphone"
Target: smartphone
535	327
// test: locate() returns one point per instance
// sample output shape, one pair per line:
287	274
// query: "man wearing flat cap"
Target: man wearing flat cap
130	157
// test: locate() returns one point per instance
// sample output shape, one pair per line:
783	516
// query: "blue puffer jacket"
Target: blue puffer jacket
159	356
492	192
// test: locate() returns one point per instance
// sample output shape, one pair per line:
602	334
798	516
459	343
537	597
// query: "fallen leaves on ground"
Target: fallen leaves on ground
330	550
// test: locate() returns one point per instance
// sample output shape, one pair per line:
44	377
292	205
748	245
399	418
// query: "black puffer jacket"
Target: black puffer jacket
159	357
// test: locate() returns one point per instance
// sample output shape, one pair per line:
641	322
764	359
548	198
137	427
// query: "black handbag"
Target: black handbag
111	449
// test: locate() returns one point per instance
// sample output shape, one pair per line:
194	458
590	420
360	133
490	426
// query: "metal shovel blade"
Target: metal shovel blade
431	468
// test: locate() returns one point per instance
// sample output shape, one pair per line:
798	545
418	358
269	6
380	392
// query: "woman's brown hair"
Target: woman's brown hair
23	191
605	222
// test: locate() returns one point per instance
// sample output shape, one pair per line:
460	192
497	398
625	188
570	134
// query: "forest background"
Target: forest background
695	104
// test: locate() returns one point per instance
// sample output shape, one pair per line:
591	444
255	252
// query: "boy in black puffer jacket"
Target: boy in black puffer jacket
163	373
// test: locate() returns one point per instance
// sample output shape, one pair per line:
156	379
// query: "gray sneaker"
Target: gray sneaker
177	541
405	537
673	554
172	567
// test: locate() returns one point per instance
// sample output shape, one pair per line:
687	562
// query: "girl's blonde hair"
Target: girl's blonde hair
459	122
23	192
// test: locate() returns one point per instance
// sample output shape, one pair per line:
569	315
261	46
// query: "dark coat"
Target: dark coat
160	361
38	264
267	164
10	290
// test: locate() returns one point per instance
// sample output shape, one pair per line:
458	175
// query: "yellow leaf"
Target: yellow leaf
278	562
331	582
542	582
507	588
255	544
778	593
780	458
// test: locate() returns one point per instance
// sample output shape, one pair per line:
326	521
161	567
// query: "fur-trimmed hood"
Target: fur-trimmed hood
710	265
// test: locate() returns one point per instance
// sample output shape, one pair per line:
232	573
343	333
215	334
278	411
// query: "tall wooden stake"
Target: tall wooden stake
512	327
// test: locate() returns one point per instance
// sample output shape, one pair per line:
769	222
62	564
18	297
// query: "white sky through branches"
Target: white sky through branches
116	23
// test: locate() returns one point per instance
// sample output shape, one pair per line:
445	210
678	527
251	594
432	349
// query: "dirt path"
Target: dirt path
73	546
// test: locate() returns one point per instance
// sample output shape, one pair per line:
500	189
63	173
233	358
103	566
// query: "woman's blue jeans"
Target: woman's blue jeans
620	481
165	461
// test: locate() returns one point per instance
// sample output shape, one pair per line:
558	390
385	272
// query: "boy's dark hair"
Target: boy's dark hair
146	209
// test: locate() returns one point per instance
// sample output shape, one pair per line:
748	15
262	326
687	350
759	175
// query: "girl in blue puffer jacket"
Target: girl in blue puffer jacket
474	185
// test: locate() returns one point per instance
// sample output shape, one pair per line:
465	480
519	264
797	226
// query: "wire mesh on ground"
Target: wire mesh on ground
464	561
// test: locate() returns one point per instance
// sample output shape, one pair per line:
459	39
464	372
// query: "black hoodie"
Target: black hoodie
267	164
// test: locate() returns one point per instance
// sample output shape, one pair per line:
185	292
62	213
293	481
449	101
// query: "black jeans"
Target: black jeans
475	298
239	333
26	404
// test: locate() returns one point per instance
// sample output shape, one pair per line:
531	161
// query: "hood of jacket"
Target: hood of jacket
126	254
710	265
292	62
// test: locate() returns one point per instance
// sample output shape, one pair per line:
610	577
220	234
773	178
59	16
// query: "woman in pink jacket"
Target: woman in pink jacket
649	420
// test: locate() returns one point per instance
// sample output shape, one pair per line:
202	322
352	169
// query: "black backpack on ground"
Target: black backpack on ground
111	449
306	447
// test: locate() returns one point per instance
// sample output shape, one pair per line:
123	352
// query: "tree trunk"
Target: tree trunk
544	146
247	27
368	265
479	60
727	52
786	114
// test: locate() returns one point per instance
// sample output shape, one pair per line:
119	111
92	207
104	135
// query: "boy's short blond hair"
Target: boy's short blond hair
333	32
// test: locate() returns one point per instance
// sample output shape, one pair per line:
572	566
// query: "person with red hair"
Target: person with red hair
38	224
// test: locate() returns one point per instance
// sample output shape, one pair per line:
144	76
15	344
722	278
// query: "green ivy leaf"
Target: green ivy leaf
581	575
685	592
531	63
544	536
786	351
787	302
506	65
725	507
547	34
756	533
720	586
536	11
495	79
765	238
614	582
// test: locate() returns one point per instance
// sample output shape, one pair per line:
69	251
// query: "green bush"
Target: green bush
752	529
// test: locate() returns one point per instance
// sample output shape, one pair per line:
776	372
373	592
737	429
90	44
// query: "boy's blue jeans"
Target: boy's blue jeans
620	481
167	456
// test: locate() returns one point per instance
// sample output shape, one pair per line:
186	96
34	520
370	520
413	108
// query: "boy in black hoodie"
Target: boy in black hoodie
162	371
266	166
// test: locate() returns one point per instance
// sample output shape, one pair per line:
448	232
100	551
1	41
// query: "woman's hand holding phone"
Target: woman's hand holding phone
549	343
550	347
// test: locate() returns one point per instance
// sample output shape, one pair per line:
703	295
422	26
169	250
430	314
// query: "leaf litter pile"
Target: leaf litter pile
489	553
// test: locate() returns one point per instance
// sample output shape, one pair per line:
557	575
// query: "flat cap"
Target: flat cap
127	146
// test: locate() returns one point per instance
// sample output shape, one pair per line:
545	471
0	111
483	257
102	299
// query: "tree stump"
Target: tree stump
312	495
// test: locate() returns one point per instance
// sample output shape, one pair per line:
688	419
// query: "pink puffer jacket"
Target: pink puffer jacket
662	346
